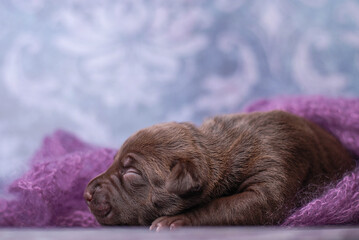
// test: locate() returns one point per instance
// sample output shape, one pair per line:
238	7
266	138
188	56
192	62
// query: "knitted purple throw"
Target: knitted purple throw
50	193
340	203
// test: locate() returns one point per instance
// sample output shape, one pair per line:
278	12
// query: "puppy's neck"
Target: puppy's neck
226	165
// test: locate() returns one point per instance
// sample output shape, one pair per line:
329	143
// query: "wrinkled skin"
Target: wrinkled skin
240	169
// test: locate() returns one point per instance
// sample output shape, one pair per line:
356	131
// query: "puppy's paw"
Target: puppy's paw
170	222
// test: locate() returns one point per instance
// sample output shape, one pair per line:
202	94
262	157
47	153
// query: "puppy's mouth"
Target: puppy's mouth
101	210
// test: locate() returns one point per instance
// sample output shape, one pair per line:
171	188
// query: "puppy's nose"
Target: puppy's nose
88	196
97	200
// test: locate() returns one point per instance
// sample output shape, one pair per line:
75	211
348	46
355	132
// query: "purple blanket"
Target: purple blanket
50	193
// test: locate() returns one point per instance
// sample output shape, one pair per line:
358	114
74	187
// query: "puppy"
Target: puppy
240	169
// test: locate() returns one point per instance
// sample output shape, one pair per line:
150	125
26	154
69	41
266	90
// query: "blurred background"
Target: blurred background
104	69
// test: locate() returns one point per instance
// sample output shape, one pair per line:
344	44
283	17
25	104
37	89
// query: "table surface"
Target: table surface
203	233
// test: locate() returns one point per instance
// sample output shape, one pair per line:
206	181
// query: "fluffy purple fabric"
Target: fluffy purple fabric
340	203
50	193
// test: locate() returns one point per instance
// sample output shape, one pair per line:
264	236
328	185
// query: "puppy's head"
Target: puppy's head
160	170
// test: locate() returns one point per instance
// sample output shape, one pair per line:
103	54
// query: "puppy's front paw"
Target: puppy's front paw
170	222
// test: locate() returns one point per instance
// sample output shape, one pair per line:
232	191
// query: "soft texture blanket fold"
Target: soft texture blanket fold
50	193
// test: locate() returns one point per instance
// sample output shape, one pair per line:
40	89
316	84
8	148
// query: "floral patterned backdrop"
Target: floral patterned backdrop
104	69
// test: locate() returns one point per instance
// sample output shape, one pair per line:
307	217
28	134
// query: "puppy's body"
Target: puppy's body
241	169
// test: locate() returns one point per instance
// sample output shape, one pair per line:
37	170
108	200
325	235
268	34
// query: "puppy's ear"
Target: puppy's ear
184	180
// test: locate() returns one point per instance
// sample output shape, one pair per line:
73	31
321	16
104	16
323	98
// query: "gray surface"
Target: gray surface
203	233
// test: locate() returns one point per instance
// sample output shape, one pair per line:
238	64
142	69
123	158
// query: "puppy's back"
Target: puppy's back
309	153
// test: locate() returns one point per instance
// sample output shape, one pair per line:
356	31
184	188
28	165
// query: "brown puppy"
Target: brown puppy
241	169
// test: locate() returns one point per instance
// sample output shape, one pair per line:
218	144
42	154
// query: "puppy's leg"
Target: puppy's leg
260	203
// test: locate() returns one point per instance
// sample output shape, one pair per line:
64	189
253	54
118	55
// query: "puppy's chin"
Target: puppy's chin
112	220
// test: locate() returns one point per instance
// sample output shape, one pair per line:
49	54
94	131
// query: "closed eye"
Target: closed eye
133	177
131	172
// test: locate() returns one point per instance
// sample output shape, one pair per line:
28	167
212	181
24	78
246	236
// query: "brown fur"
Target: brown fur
240	169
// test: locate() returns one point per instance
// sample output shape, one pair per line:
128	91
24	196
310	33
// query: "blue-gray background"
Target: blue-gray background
104	69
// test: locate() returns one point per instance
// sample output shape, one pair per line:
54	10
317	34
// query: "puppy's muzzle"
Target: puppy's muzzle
98	201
